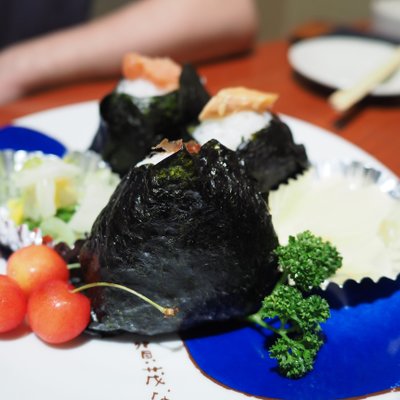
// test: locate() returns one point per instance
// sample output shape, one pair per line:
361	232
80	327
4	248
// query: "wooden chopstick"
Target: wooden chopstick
342	100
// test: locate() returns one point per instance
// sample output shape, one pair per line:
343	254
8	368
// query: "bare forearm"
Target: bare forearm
185	30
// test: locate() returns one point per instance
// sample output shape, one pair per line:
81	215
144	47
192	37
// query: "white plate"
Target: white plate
340	61
115	369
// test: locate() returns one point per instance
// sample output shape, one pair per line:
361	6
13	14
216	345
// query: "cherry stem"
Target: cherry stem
73	266
167	311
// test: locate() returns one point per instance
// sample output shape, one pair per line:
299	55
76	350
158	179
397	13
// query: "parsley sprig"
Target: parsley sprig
290	311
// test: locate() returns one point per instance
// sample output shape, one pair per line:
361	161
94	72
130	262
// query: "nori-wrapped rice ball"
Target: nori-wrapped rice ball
241	119
189	232
272	157
131	125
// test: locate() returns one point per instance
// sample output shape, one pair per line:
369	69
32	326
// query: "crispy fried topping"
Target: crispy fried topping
170	146
230	100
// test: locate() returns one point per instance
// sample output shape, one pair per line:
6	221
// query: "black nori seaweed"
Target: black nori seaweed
272	157
130	126
190	232
192	95
124	136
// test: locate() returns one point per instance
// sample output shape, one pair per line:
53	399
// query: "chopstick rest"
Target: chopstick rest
343	99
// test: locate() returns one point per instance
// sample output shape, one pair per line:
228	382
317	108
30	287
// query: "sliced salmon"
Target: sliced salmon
163	72
231	100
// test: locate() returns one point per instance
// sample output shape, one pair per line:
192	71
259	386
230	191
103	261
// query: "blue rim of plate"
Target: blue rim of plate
361	355
19	138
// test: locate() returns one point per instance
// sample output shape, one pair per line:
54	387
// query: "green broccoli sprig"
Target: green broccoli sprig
305	262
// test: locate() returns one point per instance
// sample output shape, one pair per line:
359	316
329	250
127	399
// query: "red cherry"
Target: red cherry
34	265
56	314
12	304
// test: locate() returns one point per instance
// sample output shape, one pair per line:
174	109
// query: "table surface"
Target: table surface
374	125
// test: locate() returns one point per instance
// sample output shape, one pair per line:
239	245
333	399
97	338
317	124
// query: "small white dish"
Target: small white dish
385	17
339	61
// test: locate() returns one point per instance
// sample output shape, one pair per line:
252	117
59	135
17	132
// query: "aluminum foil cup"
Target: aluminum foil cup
355	207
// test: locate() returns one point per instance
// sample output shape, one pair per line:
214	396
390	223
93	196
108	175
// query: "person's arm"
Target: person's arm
186	30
